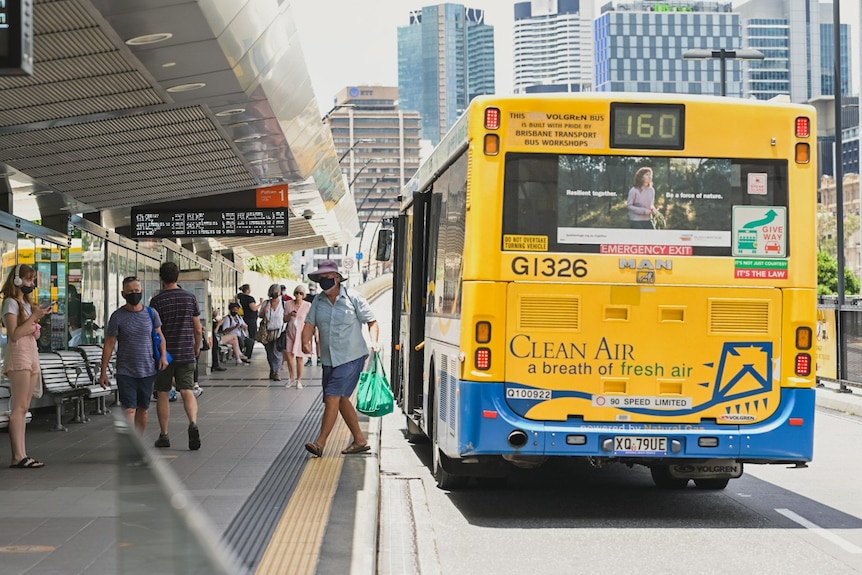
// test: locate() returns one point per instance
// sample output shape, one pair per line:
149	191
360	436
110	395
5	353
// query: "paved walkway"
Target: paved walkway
65	518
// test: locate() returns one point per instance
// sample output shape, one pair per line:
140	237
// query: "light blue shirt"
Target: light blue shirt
340	326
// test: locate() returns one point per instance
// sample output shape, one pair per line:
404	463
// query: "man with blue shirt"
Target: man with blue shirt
130	329
339	316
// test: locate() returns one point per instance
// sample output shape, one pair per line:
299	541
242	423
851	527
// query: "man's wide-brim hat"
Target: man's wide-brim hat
325	267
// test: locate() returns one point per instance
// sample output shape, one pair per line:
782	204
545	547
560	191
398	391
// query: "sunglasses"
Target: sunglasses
299	293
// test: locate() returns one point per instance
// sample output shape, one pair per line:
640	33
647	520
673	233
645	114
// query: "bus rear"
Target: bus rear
665	321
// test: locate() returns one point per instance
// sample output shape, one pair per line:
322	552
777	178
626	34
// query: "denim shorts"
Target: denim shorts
341	381
135	392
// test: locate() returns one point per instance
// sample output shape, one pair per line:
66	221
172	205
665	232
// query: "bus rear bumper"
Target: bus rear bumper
786	437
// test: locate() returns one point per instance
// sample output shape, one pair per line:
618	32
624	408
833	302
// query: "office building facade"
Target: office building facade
553	46
378	146
445	59
640	46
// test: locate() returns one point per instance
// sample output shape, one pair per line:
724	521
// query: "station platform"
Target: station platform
100	506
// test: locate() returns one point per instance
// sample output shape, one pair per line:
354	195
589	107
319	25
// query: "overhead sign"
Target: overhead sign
271	196
16	37
150	223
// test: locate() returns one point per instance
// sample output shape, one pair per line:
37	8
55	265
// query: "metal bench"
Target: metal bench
93	357
81	376
57	386
6	407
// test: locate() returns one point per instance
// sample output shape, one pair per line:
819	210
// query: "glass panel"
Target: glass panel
114	284
50	264
92	288
572	203
9	249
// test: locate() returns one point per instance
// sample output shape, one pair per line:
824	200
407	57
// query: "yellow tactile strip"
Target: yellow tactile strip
295	544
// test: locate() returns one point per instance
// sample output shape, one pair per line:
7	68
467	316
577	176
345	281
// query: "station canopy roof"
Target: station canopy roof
147	102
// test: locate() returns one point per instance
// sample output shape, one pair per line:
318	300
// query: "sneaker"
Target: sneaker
173	396
298	384
194	437
198	390
163	440
308	362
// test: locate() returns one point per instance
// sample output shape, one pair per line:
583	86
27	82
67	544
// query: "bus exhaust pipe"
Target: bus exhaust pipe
517	438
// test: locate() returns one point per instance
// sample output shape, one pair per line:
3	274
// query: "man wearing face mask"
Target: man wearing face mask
339	316
130	329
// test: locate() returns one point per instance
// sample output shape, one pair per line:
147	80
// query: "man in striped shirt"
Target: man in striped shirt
181	324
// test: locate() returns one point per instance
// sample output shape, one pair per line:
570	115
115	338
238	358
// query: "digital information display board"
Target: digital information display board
208	223
16	37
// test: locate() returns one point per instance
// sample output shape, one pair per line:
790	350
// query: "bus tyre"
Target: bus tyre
712	483
664	480
444	479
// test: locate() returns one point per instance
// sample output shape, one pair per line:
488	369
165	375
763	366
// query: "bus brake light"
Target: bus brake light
803	127
483	358
803	364
492	118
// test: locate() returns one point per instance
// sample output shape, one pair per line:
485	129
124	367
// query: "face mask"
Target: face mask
326	283
27	289
133	298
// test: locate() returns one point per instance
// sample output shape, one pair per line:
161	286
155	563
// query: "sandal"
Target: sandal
355	448
27	463
314	449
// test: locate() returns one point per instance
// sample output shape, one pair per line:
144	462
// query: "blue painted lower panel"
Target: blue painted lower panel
481	433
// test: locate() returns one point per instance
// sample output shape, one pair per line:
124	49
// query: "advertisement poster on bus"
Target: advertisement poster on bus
597	202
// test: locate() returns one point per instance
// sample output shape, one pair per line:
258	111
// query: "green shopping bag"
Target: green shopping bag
374	396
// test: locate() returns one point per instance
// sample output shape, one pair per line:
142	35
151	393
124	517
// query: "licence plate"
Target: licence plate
625	445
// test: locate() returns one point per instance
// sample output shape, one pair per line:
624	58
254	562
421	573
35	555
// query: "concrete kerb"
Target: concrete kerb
828	396
366	522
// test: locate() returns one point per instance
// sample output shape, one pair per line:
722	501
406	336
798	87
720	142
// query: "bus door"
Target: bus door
415	291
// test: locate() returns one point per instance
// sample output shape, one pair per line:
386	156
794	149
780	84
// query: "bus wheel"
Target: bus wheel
414	433
664	480
444	479
720	483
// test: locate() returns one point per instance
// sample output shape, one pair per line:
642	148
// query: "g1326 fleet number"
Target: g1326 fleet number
549	267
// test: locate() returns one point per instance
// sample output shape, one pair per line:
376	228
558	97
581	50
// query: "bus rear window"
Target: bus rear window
600	204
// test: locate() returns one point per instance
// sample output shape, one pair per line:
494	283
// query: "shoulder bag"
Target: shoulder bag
263	336
157	340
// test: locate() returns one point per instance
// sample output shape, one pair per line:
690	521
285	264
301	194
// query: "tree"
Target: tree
827	230
827	277
276	266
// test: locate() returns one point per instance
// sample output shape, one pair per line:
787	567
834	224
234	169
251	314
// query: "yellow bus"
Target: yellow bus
623	278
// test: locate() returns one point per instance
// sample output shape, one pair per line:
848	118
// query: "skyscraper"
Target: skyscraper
788	32
553	46
640	46
445	59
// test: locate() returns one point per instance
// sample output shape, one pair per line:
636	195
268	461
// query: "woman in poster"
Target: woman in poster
641	200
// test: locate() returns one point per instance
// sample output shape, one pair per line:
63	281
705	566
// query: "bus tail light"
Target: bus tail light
803	338
803	364
492	118
483	358
803	153
483	331
492	144
803	127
